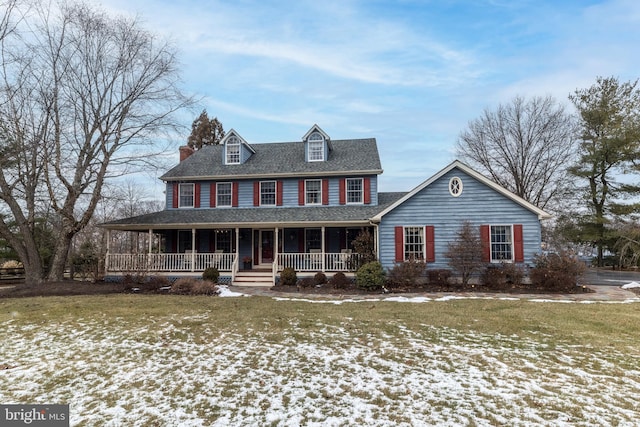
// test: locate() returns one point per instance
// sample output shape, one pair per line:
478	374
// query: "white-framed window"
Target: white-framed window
186	195
267	193
455	186
223	240
223	194
232	147
414	243
501	243
313	191
354	190
315	145
313	237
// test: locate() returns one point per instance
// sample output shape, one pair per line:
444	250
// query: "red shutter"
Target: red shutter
212	195
429	233
234	194
399	239
301	192
279	195
518	243
343	191
196	195
485	237
325	191
256	193
175	195
367	191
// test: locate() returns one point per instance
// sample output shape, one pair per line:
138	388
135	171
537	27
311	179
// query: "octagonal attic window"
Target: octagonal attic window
455	186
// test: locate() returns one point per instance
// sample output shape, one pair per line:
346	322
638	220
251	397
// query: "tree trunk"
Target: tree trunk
59	260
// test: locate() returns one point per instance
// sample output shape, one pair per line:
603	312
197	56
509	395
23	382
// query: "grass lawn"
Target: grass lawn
161	360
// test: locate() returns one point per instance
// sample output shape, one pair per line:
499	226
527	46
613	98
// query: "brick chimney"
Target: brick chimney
185	151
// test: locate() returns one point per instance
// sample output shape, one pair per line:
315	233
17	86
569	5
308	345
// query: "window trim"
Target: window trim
511	244
315	140
275	193
346	191
453	186
234	142
218	204
193	194
423	244
306	192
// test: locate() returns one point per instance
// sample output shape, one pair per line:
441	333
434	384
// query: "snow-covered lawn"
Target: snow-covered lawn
174	370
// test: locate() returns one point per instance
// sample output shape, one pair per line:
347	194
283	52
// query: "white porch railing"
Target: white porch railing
169	262
319	261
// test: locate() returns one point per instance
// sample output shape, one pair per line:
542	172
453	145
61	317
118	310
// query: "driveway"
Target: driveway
610	277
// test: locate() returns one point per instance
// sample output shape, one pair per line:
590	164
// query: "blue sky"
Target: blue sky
409	73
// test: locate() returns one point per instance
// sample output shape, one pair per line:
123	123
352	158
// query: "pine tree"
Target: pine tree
205	131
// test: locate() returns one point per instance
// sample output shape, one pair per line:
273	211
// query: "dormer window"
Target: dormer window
232	146
316	147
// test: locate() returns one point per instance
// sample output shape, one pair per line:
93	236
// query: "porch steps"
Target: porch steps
253	278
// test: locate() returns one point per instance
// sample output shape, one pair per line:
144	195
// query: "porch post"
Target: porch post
193	249
149	238
275	248
237	251
108	253
324	255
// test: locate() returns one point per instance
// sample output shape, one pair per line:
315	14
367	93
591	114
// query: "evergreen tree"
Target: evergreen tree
205	131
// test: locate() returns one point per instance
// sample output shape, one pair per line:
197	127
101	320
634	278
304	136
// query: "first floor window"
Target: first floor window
354	190
223	194
223	240
186	195
314	238
501	243
268	193
414	243
313	191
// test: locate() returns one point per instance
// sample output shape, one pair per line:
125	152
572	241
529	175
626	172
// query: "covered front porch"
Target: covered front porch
183	252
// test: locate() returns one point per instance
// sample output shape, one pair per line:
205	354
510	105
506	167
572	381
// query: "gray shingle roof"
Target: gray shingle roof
353	156
231	217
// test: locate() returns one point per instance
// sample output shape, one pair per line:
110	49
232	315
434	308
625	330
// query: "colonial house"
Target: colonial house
251	210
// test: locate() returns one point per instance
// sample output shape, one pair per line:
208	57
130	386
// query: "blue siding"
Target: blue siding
289	197
478	204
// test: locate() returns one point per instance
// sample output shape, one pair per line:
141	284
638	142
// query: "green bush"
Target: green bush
211	274
320	278
556	272
339	281
288	277
371	276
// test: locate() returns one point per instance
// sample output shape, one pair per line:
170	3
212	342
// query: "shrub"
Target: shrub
371	276
406	273
320	278
513	273
211	274
154	283
465	252
438	276
288	277
184	286
364	246
556	272
306	282
494	277
339	281
204	287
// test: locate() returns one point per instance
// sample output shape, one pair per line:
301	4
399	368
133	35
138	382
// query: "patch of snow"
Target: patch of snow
225	292
631	285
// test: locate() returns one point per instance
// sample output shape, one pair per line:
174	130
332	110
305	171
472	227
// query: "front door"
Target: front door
266	246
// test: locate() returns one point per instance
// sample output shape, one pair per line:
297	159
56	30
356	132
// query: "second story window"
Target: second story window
223	194
313	192
232	147
316	147
267	193
186	195
354	190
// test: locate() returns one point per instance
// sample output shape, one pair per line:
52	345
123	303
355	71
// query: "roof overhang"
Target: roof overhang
264	176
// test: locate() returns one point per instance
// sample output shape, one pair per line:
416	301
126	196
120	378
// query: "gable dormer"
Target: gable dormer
317	145
236	149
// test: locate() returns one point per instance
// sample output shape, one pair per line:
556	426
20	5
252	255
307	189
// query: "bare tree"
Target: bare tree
465	253
525	146
84	97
